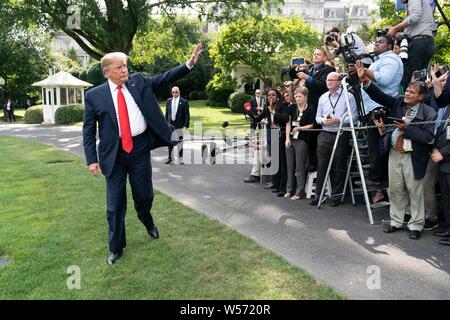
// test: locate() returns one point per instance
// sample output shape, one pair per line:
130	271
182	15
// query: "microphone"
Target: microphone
225	124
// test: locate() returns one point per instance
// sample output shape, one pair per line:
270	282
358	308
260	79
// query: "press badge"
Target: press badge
448	133
407	145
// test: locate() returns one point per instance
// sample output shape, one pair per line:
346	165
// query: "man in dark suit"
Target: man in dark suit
177	116
9	110
441	155
130	124
257	104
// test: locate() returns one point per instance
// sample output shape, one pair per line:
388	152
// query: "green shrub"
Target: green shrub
236	101
34	114
219	88
69	114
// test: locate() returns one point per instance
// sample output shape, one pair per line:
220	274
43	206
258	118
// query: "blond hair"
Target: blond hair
110	58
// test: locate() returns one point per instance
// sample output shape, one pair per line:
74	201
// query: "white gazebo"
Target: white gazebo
58	90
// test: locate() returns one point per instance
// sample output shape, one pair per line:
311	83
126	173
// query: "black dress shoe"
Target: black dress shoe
251	179
168	161
153	232
114	257
390	229
314	201
281	194
335	202
445	242
414	234
443	234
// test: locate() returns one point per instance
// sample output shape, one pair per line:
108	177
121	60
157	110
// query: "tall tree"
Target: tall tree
24	51
110	25
264	45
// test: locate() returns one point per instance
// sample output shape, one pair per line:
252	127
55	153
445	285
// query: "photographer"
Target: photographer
386	72
314	77
408	145
335	39
330	112
441	154
418	27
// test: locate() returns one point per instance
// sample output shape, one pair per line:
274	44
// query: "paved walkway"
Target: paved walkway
335	245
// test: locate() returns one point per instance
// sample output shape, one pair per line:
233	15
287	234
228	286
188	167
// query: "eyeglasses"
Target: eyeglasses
174	91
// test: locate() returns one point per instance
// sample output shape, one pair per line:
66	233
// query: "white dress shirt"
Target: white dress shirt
175	102
137	121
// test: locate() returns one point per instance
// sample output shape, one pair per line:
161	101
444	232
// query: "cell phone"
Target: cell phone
441	71
392	119
420	74
298	61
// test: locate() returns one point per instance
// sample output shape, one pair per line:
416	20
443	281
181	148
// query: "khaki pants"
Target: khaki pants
404	189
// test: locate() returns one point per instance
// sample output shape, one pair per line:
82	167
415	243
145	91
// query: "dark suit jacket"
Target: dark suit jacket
443	144
99	107
182	117
421	135
254	104
318	86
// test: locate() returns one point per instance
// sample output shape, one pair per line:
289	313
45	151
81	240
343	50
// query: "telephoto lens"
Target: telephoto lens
404	49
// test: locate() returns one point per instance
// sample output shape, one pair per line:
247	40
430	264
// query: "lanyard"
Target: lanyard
331	103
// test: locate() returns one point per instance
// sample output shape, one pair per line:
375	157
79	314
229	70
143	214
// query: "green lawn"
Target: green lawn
209	117
213	117
52	215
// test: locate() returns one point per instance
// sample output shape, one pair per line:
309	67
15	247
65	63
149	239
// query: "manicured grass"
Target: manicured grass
52	215
211	118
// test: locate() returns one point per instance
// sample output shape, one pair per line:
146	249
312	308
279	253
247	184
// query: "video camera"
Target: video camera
347	47
330	38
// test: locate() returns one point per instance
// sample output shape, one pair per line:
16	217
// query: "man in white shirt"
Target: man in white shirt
130	124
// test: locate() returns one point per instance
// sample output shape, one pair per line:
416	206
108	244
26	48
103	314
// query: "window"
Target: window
63	96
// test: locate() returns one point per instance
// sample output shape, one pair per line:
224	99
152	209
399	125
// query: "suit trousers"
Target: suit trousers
420	52
177	134
296	155
279	179
137	166
429	185
325	143
378	163
444	183
405	189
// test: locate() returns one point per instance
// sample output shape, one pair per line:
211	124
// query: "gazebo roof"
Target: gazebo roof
62	79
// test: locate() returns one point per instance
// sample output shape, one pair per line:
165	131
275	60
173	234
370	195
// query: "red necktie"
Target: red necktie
124	122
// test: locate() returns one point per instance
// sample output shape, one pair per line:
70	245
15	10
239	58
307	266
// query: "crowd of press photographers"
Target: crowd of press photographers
395	92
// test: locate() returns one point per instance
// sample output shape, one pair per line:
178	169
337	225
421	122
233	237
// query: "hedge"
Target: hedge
236	101
69	114
34	114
